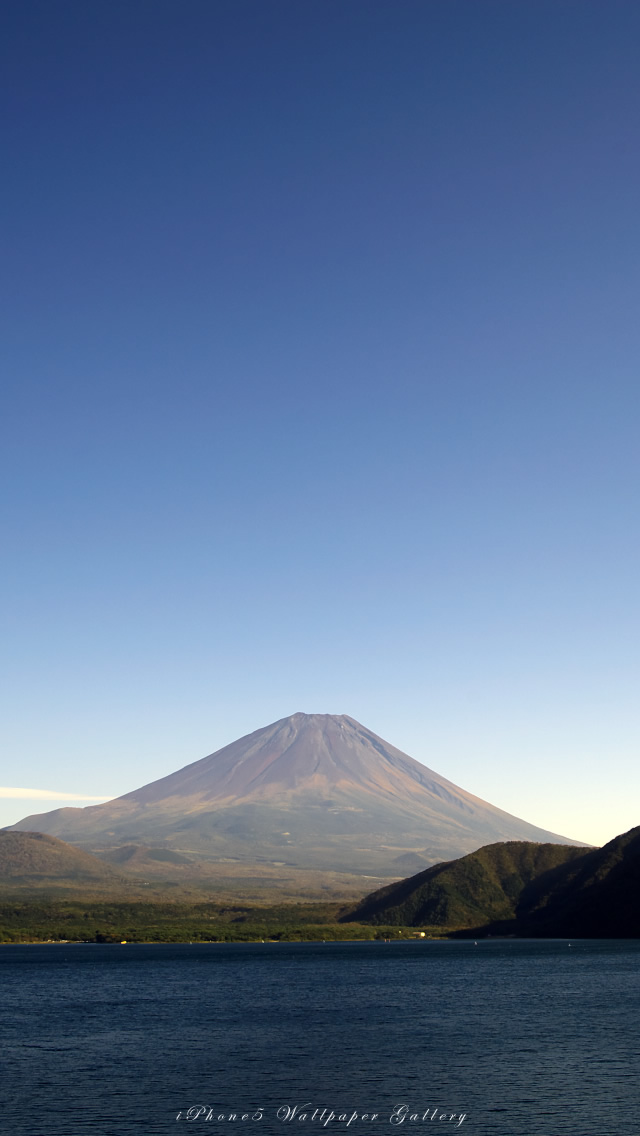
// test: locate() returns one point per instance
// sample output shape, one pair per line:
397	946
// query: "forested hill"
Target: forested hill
597	895
34	860
479	888
519	888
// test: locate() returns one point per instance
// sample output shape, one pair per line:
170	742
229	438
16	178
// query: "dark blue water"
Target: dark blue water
520	1038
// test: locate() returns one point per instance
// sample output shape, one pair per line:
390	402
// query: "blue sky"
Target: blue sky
321	390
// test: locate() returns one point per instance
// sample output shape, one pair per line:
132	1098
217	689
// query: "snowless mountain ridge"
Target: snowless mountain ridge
316	791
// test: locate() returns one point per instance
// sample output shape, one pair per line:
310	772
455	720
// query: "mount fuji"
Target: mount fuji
318	792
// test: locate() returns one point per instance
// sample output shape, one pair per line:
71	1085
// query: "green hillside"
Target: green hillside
33	860
483	887
521	889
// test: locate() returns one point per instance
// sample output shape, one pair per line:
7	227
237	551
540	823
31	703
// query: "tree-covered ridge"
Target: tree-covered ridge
33	858
483	886
598	895
519	888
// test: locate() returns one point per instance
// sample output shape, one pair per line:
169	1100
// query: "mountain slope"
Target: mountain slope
33	859
522	889
480	888
596	895
313	791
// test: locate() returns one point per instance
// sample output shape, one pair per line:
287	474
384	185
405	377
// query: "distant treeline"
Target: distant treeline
24	922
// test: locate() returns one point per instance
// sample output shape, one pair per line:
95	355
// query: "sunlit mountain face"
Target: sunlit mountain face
313	791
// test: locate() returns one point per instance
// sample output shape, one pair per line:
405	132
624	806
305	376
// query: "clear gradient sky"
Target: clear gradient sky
321	390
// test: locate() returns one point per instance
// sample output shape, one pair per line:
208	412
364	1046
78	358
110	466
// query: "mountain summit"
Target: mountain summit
313	791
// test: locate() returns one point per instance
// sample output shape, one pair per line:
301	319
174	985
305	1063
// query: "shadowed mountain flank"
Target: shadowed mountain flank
312	791
597	895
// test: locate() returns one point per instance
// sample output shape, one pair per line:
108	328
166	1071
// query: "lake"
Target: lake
502	1038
